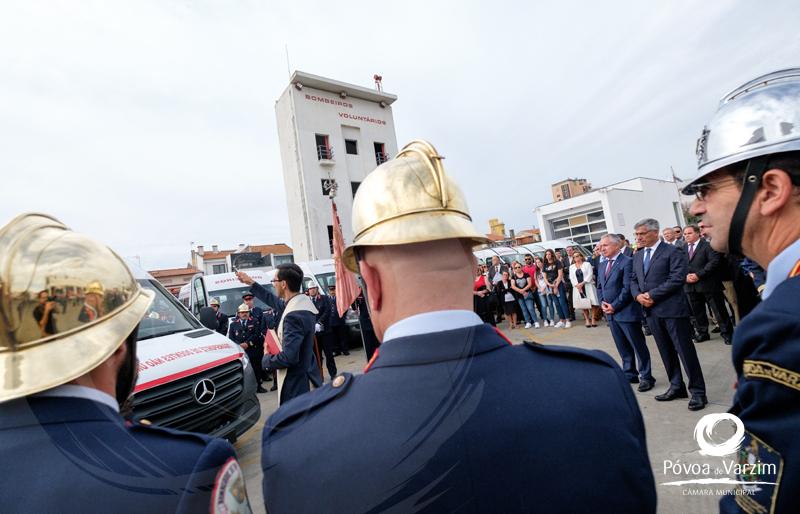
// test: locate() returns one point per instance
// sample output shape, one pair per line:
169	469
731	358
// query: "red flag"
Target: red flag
347	289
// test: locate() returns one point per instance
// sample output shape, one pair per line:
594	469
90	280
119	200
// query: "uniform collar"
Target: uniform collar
37	410
436	321
456	344
78	391
780	267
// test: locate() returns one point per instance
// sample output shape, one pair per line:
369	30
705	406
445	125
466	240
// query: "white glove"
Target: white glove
317	328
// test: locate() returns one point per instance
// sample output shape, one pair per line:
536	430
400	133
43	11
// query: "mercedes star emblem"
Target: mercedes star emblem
204	391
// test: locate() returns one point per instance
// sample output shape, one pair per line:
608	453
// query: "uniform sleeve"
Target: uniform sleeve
216	484
266	296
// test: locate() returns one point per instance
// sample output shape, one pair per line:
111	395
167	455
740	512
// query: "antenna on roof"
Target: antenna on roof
288	67
378	80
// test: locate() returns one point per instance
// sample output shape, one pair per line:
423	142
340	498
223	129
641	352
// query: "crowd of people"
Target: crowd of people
672	302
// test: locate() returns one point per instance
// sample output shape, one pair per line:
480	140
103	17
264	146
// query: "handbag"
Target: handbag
581	303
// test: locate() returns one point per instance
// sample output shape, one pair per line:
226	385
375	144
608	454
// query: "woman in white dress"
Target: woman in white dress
584	294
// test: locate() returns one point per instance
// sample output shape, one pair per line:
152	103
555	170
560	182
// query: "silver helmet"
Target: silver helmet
753	122
760	117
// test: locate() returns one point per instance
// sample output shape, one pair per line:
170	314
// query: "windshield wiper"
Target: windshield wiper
168	333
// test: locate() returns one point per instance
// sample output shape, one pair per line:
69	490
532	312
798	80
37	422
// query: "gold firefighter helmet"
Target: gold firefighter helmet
95	287
38	253
214	301
243	308
409	199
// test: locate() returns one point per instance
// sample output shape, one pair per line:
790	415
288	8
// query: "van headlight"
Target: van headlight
245	361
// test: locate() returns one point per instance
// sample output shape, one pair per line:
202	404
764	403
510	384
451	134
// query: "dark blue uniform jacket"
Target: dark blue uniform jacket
77	455
766	355
461	421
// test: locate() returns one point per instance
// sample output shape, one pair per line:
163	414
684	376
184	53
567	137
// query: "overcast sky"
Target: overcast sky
151	124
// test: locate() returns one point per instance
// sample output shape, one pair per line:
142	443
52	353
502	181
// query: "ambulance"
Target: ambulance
225	287
190	378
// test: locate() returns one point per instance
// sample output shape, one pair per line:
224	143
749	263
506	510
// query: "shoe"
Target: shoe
698	402
594	325
567	325
702	337
260	389
645	385
560	324
345	352
715	330
527	325
672	394
727	341
588	326
336	354
633	380
274	388
536	325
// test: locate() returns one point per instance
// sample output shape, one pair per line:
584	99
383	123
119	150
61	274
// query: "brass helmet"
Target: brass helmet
243	308
409	199
39	254
214	301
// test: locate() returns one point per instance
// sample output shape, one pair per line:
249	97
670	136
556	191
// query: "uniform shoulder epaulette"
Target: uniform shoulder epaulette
298	407
595	356
146	426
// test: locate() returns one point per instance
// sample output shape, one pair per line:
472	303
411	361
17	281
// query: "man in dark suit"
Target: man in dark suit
657	285
703	286
296	363
627	251
623	314
65	439
431	424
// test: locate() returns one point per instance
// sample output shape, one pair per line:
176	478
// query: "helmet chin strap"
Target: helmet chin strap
752	181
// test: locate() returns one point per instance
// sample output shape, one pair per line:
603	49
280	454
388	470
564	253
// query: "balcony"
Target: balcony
381	157
325	155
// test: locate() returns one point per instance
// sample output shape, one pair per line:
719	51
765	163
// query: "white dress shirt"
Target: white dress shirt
428	322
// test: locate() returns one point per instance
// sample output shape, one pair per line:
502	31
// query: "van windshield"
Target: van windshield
231	299
165	316
326	280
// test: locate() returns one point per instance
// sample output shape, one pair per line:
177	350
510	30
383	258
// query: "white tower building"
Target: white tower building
330	133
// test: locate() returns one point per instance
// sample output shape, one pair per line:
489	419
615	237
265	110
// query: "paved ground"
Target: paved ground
669	425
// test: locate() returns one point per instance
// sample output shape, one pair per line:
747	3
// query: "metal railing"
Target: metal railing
324	152
381	157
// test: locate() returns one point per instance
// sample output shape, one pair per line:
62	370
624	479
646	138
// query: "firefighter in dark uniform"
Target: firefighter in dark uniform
748	194
222	319
324	329
246	332
449	416
64	439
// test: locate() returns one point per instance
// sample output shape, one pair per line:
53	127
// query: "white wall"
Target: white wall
301	115
654	201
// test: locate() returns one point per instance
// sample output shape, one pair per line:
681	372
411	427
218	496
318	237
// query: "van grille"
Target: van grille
173	404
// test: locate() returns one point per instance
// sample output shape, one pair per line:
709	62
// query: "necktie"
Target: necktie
608	267
691	250
646	260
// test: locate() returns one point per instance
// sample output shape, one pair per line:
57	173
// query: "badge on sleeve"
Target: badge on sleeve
230	495
758	462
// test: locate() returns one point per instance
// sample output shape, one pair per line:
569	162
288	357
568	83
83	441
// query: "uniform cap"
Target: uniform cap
409	199
37	253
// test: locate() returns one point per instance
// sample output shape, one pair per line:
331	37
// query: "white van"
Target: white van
190	378
322	273
560	244
225	287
